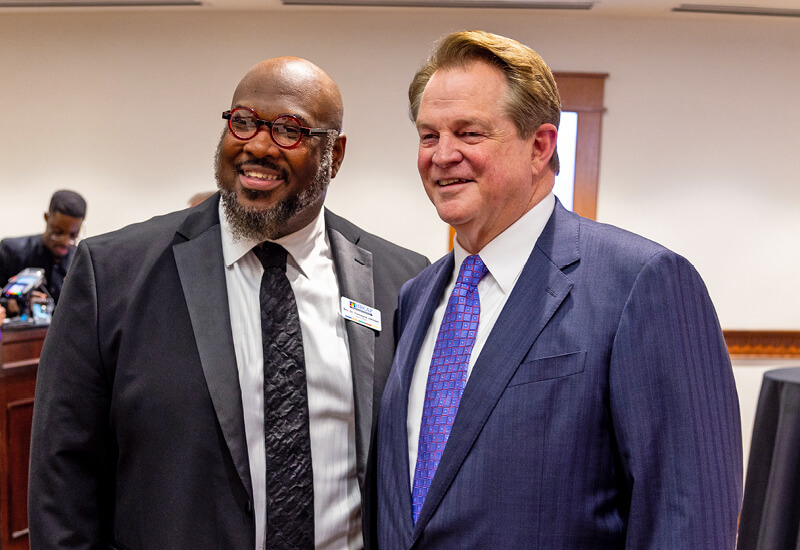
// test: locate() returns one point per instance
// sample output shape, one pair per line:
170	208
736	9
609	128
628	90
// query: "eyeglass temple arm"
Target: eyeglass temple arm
318	131
303	129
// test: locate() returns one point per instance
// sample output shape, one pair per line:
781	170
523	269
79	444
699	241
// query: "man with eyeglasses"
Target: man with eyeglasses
211	377
52	250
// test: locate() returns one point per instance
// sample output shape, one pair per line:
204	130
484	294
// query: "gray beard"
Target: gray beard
260	225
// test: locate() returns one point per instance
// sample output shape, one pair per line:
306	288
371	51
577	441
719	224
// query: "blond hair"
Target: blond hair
532	98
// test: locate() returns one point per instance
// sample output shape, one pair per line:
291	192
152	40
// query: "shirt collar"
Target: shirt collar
506	254
300	245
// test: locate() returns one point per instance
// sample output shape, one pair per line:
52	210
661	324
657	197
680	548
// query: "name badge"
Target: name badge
361	314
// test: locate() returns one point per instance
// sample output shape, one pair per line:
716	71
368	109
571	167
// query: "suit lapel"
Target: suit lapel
354	274
417	315
419	318
202	275
536	296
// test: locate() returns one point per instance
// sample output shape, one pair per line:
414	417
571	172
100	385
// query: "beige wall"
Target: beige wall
699	141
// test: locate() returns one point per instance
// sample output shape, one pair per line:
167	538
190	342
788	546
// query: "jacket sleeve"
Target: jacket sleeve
8	262
675	413
72	453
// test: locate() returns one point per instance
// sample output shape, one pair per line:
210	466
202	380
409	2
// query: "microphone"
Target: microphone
24	282
32	307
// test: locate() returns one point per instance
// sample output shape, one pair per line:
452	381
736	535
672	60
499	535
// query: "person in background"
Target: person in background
197	198
199	360
52	250
558	383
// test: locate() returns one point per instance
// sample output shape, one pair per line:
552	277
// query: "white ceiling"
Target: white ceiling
637	8
608	7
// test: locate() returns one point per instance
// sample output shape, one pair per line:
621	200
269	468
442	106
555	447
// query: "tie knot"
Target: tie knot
271	255
472	271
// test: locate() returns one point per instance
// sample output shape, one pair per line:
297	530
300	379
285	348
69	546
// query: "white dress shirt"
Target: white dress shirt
504	257
329	380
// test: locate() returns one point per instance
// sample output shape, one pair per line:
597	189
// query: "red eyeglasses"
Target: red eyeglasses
286	130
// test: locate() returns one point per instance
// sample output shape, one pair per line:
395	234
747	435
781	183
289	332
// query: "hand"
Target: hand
13	307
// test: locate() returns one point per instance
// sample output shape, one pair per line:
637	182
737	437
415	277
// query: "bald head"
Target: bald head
269	189
299	79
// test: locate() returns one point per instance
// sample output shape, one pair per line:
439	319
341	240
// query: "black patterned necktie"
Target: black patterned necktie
56	281
290	483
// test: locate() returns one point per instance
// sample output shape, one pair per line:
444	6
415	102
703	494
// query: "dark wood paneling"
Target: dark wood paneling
19	359
20	416
22	347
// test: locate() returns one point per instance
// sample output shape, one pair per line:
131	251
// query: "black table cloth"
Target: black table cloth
770	518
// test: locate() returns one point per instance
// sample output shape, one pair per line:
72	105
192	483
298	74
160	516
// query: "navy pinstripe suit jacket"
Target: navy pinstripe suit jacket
601	412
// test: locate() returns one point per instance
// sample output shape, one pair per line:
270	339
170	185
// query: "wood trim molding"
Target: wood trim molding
754	344
583	93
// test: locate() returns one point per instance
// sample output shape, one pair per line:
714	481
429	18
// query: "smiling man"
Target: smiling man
52	250
200	360
558	383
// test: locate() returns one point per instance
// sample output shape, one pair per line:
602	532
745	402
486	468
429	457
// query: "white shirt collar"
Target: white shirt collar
300	245
506	254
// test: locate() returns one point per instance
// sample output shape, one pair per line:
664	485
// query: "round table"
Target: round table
770	518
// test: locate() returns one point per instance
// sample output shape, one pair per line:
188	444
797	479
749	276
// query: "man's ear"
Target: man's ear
544	145
338	154
46	217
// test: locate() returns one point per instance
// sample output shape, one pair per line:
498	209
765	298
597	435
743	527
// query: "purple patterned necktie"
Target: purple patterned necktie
447	375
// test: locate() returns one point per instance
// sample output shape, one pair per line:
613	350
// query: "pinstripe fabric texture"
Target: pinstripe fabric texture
601	412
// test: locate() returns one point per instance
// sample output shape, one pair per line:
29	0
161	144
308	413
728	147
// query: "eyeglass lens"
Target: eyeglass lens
63	237
285	130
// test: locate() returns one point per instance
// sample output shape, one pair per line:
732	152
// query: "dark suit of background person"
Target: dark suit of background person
601	411
138	431
52	250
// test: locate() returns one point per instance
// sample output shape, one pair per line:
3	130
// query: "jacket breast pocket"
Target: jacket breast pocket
548	368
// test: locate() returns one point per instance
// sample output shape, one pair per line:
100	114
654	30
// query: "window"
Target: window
582	94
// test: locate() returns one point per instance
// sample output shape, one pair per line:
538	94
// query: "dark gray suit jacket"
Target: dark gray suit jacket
138	433
600	414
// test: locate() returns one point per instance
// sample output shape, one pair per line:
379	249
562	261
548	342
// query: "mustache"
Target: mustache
263	163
